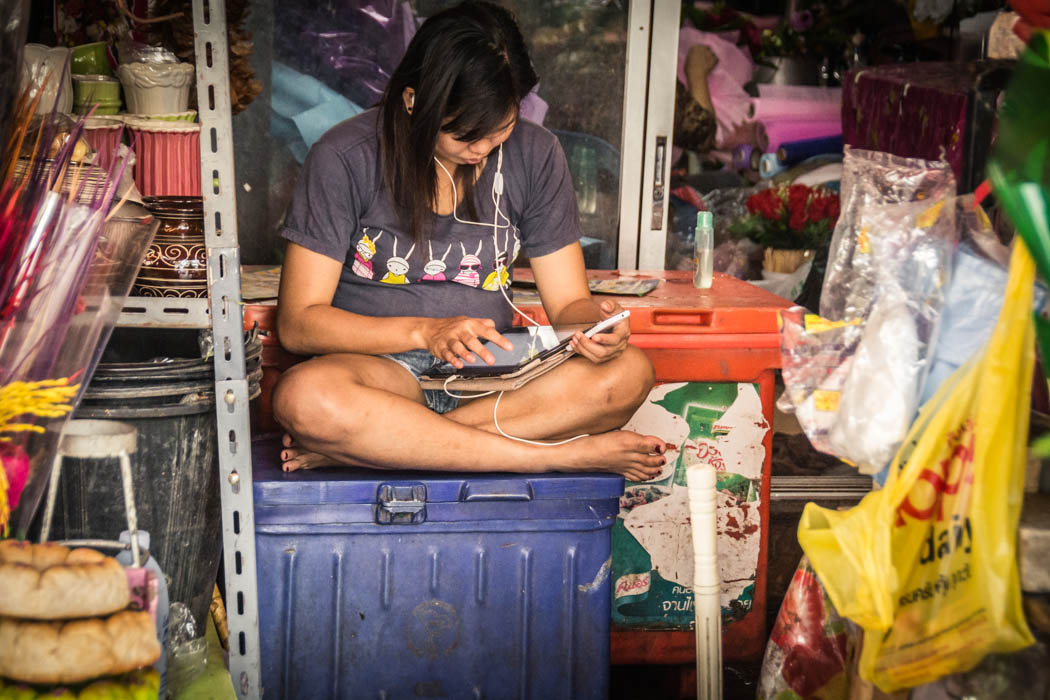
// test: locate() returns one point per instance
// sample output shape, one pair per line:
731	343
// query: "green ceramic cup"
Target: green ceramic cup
90	59
103	90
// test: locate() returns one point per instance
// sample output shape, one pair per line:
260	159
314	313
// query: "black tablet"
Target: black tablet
531	343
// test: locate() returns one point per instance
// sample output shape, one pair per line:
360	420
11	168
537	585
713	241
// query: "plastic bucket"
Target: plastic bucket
171	403
275	360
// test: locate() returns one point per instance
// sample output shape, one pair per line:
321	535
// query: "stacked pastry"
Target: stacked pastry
64	622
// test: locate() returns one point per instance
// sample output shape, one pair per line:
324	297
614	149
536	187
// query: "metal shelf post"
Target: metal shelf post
226	310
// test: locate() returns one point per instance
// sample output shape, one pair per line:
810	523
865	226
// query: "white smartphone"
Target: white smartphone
607	323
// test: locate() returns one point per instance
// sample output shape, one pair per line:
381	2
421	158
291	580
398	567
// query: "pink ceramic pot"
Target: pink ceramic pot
103	135
168	157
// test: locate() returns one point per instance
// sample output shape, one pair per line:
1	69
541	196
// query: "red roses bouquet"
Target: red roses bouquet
794	217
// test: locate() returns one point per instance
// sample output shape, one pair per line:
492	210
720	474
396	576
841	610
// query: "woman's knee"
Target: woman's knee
629	381
643	376
302	399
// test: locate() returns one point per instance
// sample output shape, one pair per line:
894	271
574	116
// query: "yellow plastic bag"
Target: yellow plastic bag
927	564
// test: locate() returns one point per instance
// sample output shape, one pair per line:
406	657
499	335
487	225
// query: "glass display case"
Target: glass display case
324	62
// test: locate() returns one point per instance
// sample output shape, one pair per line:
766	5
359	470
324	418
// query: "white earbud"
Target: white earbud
497	181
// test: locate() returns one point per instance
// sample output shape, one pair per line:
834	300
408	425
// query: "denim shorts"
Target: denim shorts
419	362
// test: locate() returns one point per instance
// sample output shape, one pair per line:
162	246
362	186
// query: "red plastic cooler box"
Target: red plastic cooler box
715	353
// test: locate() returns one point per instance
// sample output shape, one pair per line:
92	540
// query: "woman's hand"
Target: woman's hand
606	346
458	340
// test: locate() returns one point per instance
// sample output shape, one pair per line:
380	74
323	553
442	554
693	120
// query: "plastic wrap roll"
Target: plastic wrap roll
792	152
756	159
769	166
796	109
742	156
772	134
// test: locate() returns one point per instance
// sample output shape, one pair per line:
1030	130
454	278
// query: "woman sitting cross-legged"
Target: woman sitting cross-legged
405	223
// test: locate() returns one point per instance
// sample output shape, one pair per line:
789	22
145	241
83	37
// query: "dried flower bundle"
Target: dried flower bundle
59	296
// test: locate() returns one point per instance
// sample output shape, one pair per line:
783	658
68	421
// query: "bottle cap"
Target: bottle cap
704	220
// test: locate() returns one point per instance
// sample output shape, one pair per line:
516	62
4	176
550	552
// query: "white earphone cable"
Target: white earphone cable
463	396
495	422
501	269
497	194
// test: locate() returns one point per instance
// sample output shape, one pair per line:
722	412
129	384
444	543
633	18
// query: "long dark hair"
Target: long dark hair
467	64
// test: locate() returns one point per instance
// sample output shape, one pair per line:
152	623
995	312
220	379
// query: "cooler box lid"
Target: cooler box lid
729	307
358	495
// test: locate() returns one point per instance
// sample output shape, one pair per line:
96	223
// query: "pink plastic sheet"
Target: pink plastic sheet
725	82
797	103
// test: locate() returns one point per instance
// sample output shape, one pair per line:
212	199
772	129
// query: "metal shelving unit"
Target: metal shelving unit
166	312
223	312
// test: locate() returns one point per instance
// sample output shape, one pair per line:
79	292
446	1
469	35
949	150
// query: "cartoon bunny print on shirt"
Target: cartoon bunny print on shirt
366	250
397	267
434	269
499	277
469	268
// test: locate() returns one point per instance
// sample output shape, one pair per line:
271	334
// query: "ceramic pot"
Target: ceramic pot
176	263
45	70
156	88
190	115
100	90
103	135
90	59
168	157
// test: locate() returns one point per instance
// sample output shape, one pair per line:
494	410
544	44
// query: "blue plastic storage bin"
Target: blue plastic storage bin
378	584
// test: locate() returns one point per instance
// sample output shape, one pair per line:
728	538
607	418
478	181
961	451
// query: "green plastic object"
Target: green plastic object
1020	165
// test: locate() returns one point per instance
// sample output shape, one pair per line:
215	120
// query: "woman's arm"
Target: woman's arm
561	279
308	324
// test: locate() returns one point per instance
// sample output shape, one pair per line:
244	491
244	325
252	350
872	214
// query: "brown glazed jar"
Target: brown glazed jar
176	263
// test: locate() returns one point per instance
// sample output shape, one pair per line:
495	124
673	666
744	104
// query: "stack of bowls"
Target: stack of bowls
93	81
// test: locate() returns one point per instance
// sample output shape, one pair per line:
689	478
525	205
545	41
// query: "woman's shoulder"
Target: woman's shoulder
531	136
353	136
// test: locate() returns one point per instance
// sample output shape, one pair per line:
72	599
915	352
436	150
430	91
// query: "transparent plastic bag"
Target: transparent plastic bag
131	51
882	233
785	284
888	268
187	649
807	655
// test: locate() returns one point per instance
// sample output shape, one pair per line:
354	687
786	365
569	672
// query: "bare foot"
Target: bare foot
294	457
637	457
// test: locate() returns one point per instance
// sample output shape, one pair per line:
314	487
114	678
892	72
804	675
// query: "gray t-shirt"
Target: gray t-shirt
342	209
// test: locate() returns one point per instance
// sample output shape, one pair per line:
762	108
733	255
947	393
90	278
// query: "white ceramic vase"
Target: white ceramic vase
45	71
156	88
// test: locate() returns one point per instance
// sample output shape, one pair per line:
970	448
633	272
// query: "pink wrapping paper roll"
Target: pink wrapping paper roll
776	109
772	134
168	157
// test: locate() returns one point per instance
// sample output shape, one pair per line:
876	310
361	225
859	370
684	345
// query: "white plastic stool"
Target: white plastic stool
97	439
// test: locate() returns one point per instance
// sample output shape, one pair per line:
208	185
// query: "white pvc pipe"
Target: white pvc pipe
707	585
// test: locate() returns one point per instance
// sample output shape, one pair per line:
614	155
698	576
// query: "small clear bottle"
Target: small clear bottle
703	251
